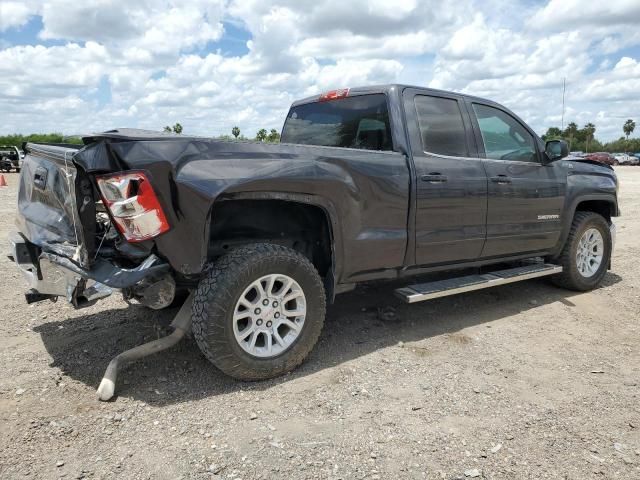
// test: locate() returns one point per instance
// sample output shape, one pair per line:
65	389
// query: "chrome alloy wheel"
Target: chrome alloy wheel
269	315
590	252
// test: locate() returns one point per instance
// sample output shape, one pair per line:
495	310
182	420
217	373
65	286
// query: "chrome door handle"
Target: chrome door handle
434	178
501	179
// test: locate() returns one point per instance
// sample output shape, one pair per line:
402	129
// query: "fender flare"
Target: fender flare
571	210
326	205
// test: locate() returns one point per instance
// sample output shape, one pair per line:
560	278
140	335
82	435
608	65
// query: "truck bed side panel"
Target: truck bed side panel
366	191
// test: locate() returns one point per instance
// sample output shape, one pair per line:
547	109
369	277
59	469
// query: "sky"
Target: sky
81	66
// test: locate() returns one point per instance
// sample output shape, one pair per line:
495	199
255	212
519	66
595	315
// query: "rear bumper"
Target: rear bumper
50	275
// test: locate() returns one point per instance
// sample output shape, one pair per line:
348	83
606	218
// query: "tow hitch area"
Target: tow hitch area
181	325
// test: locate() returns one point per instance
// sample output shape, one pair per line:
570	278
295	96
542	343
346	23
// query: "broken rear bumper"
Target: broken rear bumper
50	276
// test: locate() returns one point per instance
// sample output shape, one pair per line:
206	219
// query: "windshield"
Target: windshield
353	122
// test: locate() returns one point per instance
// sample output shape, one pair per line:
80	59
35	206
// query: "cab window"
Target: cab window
504	138
441	126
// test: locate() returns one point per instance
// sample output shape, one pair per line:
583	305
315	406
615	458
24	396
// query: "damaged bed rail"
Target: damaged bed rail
181	324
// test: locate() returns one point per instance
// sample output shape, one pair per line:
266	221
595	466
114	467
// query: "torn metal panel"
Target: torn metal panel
47	202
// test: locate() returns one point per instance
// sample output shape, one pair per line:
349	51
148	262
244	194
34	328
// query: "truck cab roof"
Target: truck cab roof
386	89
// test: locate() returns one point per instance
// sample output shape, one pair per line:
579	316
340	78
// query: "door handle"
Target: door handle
434	177
501	179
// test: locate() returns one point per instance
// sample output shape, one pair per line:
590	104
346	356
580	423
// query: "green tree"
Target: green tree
167	129
570	132
274	136
552	133
177	128
261	135
17	139
628	127
589	130
235	131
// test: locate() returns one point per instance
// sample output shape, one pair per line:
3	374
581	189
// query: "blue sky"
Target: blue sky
211	64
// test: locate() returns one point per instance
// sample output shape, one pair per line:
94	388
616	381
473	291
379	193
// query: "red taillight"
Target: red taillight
134	205
334	95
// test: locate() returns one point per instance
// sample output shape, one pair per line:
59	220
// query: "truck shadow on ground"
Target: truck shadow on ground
365	320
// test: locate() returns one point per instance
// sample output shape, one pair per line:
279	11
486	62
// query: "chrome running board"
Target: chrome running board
442	288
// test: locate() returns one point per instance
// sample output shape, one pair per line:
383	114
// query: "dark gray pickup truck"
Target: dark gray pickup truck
368	183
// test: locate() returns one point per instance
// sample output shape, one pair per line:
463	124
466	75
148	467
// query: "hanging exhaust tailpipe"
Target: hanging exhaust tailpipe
181	325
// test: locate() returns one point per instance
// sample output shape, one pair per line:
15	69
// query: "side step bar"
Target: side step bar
442	288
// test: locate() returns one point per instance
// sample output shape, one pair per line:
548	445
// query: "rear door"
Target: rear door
526	197
451	184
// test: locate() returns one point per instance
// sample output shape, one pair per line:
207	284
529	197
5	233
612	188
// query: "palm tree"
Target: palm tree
261	135
589	129
570	132
628	127
235	131
273	136
177	128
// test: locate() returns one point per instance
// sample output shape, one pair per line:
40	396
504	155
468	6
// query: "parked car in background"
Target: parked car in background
577	154
602	157
626	159
10	158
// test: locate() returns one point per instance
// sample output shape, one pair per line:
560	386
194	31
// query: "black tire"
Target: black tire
570	277
219	290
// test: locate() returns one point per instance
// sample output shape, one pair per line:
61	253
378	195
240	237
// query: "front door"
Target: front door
451	184
525	196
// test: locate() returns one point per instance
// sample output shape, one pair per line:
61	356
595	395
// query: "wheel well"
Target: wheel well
602	207
300	226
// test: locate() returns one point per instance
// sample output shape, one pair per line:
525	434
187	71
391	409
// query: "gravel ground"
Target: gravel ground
520	381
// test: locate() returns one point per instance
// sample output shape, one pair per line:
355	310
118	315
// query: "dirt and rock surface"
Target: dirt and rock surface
520	381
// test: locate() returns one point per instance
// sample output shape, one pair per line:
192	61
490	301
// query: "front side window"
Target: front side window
441	126
354	122
503	136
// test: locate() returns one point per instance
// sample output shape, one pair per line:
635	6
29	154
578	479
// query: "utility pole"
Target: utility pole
564	87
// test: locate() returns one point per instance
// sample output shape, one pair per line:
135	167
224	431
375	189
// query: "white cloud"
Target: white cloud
15	14
565	14
149	54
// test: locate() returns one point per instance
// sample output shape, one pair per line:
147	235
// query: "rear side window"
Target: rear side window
441	126
353	122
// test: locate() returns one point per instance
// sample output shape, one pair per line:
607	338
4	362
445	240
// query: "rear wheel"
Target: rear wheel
258	311
586	253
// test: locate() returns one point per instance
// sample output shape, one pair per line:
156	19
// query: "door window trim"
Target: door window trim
415	137
480	141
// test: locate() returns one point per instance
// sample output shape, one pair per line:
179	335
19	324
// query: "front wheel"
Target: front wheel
586	253
258	311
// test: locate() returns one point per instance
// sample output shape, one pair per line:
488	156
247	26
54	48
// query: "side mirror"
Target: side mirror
556	149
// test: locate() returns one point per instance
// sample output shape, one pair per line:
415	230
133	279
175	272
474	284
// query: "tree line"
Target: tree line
583	139
272	136
18	139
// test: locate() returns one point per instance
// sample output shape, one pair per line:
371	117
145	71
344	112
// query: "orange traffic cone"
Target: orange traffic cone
3	182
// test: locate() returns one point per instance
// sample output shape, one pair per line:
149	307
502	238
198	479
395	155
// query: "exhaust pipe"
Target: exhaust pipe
181	324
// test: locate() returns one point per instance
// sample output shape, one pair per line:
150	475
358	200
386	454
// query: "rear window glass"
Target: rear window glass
353	122
441	126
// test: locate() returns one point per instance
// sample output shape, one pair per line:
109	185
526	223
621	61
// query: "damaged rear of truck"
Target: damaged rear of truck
84	231
132	211
245	231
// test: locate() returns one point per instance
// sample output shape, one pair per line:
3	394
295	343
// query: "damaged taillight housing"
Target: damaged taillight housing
133	204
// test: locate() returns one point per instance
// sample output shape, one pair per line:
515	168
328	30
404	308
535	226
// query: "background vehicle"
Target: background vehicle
10	158
626	159
369	183
602	157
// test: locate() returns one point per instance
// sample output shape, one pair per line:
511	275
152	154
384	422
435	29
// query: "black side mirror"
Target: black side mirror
556	149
